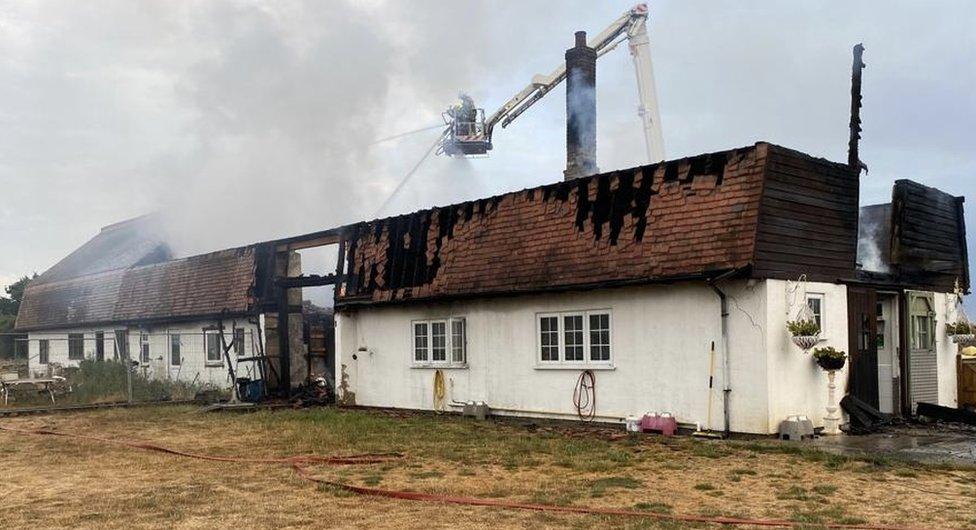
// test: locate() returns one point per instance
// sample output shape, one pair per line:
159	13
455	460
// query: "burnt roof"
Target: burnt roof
691	218
137	241
198	286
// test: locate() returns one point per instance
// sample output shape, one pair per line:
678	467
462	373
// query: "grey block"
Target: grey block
796	428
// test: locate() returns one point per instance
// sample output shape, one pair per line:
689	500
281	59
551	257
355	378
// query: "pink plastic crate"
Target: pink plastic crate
660	423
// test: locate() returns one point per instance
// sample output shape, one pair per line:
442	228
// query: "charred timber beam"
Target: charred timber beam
311	280
853	158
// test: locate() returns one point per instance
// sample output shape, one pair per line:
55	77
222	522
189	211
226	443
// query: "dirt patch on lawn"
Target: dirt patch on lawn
57	482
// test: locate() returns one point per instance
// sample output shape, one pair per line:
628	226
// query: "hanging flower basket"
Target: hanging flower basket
804	333
961	332
829	358
805	342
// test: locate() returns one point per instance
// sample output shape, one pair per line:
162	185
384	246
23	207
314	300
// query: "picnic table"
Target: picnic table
41	385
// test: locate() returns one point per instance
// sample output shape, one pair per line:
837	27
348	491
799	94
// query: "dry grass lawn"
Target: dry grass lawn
56	482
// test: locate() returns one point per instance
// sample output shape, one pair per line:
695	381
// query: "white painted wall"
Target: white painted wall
799	386
946	311
660	335
193	367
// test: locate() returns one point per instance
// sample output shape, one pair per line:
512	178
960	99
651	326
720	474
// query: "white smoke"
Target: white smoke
869	254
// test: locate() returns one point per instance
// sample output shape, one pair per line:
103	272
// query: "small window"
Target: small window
213	347
815	301
76	346
600	337
99	346
438	341
433	339
239	341
573	333
922	321
144	347
458	341
421	341
121	344
175	347
575	337
43	351
549	338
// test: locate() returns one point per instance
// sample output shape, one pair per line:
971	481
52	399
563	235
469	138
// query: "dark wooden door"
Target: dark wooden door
862	310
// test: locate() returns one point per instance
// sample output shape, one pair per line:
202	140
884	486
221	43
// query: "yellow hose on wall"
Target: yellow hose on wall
440	390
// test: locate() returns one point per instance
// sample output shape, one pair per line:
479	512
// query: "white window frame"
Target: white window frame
43	351
240	347
178	339
823	309
561	362
207	333
145	350
449	343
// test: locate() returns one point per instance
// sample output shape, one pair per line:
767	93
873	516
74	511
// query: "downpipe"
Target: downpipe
726	385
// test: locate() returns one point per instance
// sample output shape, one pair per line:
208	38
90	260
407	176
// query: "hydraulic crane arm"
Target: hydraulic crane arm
469	137
542	84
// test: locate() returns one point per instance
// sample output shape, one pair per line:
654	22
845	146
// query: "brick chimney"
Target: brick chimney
580	109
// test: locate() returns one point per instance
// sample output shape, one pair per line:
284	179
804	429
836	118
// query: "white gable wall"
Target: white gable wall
800	386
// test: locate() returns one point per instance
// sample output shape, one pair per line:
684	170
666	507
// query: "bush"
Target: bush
95	382
803	328
961	327
830	358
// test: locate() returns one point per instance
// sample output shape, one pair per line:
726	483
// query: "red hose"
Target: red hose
296	463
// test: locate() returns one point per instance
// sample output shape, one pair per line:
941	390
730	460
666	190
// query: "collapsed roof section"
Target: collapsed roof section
763	208
137	241
917	240
199	286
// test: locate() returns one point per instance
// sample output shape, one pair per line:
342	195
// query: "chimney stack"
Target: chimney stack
580	109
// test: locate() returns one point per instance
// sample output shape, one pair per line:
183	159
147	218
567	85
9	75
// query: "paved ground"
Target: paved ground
935	443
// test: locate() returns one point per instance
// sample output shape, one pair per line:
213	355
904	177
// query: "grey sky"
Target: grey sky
252	120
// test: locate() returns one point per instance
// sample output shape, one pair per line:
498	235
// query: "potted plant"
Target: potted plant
805	333
830	358
962	332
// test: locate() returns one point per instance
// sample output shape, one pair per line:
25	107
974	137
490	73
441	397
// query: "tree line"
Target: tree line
9	305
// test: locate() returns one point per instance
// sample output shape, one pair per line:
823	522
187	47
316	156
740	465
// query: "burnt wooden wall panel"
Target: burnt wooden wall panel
928	236
808	218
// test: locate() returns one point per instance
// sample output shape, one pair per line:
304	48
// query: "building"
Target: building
638	276
122	296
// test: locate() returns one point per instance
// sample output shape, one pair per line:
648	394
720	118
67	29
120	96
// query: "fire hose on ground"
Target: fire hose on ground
299	464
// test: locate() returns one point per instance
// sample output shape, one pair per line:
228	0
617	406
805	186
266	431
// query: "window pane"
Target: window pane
213	347
144	347
121	344
76	346
600	337
174	350
438	341
458	345
43	351
239	342
100	346
549	338
815	303
573	332
420	339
